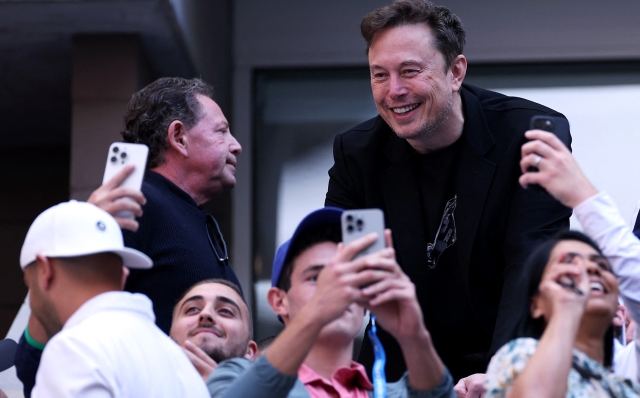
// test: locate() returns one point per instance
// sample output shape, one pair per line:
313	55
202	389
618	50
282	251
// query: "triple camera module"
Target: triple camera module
114	157
354	224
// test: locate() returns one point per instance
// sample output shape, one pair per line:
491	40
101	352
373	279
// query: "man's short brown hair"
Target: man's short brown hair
448	33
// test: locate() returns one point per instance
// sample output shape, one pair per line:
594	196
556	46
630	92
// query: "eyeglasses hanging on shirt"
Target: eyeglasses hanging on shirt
217	242
446	235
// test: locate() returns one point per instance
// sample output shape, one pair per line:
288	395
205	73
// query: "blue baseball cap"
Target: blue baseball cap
327	215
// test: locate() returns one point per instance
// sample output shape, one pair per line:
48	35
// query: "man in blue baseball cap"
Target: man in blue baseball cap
321	292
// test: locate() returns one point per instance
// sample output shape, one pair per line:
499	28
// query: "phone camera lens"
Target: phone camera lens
350	218
113	158
123	155
549	124
115	149
349	228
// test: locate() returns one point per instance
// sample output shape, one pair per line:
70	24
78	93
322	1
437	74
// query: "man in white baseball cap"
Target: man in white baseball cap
102	341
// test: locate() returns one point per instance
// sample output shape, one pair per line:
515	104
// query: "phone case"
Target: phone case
121	154
553	124
358	223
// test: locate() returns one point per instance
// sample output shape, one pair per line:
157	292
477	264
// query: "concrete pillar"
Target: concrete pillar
107	70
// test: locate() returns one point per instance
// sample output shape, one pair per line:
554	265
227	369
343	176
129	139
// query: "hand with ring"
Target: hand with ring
560	175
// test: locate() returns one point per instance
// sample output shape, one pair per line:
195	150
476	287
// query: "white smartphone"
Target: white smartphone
361	222
121	154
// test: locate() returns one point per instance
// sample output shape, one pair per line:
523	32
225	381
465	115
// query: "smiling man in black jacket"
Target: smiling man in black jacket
441	160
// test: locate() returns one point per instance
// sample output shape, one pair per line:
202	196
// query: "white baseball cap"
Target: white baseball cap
73	229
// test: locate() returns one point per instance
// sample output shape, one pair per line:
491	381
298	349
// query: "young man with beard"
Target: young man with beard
321	294
212	322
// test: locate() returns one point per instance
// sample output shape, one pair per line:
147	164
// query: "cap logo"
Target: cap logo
100	225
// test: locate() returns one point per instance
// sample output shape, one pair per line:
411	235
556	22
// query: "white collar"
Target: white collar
116	300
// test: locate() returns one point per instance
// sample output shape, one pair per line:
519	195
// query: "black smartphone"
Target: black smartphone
553	124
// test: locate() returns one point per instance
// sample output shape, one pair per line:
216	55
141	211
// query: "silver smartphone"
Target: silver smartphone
121	154
361	222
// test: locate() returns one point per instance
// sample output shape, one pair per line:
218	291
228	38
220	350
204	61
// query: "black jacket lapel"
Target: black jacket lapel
475	174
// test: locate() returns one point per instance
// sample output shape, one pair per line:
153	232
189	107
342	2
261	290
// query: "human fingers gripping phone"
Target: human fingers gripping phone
120	155
358	223
553	124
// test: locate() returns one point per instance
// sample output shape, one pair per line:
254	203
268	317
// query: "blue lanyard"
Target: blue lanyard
379	378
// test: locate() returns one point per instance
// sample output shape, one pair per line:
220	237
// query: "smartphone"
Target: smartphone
361	222
121	154
553	124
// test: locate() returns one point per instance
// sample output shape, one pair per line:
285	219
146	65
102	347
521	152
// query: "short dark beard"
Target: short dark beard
431	128
218	354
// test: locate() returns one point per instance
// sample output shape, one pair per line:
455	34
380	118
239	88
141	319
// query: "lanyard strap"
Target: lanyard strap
379	378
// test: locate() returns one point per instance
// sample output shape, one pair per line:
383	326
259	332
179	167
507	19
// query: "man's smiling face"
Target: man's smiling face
215	318
411	83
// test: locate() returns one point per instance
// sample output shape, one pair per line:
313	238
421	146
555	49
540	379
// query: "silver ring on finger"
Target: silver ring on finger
537	162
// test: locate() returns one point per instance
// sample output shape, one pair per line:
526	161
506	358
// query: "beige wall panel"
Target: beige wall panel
106	72
105	67
95	125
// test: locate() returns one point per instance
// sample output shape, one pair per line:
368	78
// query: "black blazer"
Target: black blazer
498	222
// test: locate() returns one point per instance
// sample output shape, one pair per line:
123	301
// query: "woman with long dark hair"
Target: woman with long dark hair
573	296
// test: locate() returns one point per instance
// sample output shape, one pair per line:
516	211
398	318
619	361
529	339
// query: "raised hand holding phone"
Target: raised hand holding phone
358	223
122	180
558	171
355	224
556	125
122	154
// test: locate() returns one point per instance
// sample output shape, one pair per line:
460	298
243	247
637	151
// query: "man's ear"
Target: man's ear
278	302
252	350
45	272
458	72
177	137
125	275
